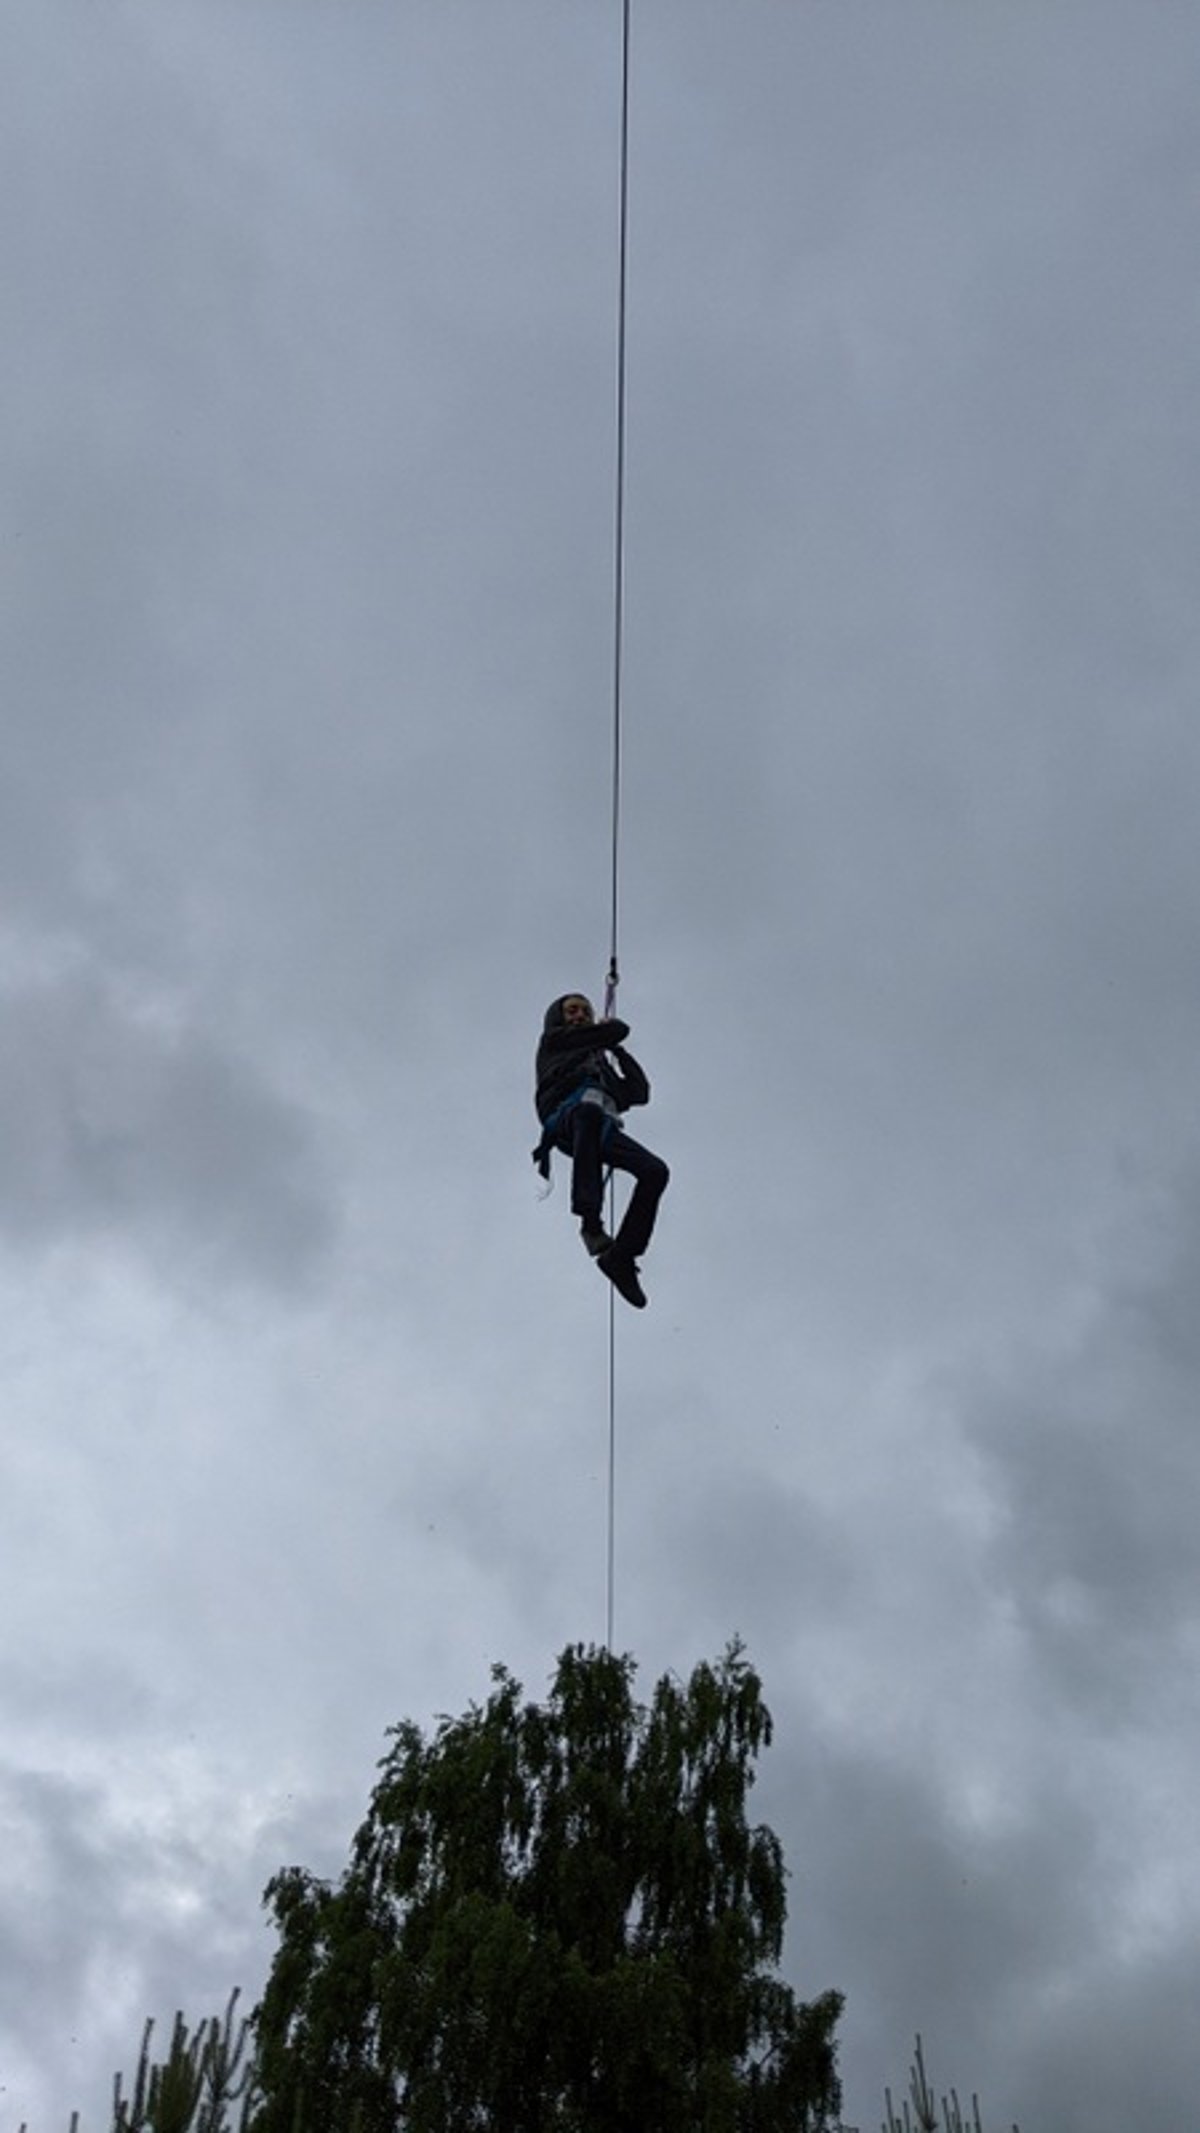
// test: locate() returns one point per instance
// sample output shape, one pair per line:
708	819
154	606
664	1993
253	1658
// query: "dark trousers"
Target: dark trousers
592	1138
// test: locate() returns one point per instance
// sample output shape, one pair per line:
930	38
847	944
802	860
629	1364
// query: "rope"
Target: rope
612	1469
613	978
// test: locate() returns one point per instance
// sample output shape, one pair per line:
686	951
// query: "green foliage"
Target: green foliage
554	1917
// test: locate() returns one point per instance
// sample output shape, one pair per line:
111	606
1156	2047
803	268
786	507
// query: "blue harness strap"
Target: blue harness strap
541	1154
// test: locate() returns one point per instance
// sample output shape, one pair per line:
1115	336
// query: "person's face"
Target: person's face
577	1011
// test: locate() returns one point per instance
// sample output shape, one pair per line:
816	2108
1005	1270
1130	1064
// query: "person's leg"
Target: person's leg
650	1175
580	1137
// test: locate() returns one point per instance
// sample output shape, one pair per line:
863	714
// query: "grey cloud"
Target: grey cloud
61	1843
1001	1946
1096	1465
115	1124
307	547
1114	2042
761	1558
100	1693
107	1916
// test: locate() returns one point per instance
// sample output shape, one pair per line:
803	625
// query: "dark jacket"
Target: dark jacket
571	1059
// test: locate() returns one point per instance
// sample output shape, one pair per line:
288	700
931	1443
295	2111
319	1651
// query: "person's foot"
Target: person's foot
623	1274
595	1237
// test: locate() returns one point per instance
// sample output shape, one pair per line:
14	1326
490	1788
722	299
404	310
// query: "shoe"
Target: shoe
595	1240
623	1274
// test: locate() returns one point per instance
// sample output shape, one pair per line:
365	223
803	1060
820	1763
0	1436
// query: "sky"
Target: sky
306	513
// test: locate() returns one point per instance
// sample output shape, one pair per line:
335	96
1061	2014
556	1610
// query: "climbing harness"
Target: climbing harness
588	1092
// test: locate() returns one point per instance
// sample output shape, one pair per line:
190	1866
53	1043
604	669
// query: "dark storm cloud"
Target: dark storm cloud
111	1910
1114	2042
1095	1461
115	1125
293	506
1000	1944
59	1839
307	505
1001	1902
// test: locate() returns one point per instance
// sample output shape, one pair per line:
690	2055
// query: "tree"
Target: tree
195	2088
554	1917
921	2113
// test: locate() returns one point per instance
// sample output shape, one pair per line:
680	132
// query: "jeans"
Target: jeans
592	1138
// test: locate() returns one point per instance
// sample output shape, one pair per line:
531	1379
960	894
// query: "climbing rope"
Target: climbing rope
613	978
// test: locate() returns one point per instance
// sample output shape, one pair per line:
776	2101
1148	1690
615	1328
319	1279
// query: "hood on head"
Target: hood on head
554	1013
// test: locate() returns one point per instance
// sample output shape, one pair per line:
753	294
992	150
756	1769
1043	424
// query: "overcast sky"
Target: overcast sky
306	482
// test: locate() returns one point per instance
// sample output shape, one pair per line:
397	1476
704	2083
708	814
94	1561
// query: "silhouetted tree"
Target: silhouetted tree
921	2113
554	1917
195	2089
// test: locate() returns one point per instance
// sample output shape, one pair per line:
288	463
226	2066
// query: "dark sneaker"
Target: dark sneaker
623	1274
595	1240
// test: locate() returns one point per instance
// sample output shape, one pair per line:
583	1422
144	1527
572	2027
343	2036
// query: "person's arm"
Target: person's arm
635	1088
587	1037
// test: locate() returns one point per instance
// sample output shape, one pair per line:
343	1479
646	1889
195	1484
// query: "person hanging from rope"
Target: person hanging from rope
581	1095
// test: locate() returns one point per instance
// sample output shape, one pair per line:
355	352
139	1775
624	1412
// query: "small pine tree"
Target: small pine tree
197	2086
921	2113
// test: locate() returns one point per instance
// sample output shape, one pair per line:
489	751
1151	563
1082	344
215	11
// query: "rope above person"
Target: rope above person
585	1082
